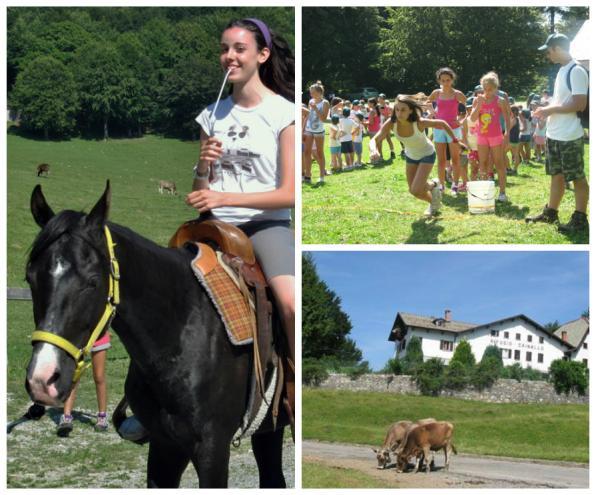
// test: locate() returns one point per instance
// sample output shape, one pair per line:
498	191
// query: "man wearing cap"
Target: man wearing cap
565	136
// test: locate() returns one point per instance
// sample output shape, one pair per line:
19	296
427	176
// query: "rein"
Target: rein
113	300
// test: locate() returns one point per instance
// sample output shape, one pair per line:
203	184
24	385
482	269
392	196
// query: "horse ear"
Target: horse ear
99	213
40	210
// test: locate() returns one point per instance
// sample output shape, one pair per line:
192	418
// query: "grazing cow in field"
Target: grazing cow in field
421	440
395	436
43	168
168	186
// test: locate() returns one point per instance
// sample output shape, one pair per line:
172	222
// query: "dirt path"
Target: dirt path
465	471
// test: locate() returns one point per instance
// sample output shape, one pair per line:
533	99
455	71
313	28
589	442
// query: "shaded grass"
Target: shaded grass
373	206
320	476
534	431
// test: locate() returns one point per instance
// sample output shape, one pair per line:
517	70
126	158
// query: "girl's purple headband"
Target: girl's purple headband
264	30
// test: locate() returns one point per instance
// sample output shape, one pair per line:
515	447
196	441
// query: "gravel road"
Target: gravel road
465	470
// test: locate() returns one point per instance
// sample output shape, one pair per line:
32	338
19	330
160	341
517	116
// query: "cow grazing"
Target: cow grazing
423	439
168	186
43	168
395	435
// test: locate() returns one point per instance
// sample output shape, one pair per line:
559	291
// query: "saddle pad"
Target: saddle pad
233	305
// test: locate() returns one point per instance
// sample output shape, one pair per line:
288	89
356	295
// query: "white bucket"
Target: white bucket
481	196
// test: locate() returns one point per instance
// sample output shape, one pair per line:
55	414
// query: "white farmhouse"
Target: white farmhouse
576	333
520	339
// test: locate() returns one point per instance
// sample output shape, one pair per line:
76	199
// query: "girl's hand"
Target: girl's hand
480	100
205	199
211	150
311	104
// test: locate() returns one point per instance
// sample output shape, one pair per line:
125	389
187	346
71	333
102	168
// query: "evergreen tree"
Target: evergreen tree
492	351
414	356
325	327
463	354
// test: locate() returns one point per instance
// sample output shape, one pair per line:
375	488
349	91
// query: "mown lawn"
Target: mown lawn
534	431
318	475
372	205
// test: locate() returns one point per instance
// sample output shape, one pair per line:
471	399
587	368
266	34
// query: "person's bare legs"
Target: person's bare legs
98	360
442	156
557	190
417	177
581	189
320	154
307	156
497	153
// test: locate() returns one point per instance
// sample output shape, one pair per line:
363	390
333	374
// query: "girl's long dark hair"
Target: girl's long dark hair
414	105
277	73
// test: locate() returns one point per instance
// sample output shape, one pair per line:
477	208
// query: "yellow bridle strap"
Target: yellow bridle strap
77	354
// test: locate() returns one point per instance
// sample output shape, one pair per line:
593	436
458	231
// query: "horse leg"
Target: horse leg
211	461
165	465
267	448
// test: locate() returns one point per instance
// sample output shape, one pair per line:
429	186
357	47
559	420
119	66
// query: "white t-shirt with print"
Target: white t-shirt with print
346	124
251	154
567	126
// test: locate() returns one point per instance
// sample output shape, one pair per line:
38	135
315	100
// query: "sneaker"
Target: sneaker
548	215
503	198
321	180
577	223
454	190
392	155
102	422
65	426
358	165
436	195
429	212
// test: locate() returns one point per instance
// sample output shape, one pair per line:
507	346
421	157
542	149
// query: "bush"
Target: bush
313	372
492	351
513	372
464	355
357	371
569	376
486	372
429	377
456	376
393	367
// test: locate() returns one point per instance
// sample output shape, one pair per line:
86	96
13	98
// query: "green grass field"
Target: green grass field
315	475
534	431
372	205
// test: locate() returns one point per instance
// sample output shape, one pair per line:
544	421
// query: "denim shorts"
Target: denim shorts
358	147
335	149
525	138
426	159
440	136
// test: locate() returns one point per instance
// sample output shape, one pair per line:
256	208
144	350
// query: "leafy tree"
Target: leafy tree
486	372
414	356
492	351
457	376
393	366
569	376
358	370
464	355
46	96
325	327
429	377
513	372
586	314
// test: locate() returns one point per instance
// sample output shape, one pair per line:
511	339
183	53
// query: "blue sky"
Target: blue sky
478	287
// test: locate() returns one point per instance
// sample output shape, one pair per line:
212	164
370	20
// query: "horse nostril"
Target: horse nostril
54	378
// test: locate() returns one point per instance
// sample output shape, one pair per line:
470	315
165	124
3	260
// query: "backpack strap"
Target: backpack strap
569	74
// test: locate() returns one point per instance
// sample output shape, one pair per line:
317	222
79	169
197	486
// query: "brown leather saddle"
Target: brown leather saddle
238	254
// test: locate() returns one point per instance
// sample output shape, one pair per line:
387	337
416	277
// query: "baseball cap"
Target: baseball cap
356	102
555	39
382	95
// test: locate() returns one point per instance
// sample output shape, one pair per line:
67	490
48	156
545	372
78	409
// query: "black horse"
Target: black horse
187	384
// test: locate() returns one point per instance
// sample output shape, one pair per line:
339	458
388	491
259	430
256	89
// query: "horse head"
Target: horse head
69	274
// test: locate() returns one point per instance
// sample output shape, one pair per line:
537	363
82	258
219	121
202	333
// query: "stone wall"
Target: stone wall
502	391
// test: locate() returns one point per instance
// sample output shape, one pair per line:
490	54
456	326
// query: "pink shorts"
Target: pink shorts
102	343
490	141
539	139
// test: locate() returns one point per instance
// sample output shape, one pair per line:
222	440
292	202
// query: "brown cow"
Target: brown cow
167	186
421	440
395	436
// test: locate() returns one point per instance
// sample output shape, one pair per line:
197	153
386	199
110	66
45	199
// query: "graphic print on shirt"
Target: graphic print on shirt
485	119
238	160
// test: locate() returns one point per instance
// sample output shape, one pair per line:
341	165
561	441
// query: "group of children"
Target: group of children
482	134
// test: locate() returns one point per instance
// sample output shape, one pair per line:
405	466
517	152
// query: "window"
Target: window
506	335
506	353
541	358
494	333
446	345
585	361
517	336
585	346
528	356
541	340
529	338
516	355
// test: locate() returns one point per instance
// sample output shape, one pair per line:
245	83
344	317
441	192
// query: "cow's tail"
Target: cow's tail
453	448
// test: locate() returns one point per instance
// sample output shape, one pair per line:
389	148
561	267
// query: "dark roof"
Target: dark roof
576	331
429	322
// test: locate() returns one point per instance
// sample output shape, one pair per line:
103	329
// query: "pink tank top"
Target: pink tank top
447	111
374	122
489	123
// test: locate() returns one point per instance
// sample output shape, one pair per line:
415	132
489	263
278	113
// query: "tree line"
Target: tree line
398	49
109	71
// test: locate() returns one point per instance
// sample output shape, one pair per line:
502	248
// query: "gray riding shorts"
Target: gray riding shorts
273	243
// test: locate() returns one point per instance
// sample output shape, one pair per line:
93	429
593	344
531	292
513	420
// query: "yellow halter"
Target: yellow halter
77	354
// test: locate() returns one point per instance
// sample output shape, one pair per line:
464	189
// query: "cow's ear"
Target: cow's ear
40	209
99	214
374	450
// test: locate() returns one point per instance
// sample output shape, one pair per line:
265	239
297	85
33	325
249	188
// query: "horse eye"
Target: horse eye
93	283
